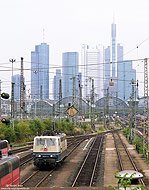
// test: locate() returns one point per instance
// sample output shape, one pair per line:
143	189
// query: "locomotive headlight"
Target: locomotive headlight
52	155
39	156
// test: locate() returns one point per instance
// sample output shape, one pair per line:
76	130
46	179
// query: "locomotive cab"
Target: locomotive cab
49	150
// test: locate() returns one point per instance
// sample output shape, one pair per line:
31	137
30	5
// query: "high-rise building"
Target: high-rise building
125	74
106	69
57	78
92	69
40	71
70	69
120	73
113	37
16	81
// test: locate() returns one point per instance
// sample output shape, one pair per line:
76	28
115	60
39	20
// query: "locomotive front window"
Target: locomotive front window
40	142
51	142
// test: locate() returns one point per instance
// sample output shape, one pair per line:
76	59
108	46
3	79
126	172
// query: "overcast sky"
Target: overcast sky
68	24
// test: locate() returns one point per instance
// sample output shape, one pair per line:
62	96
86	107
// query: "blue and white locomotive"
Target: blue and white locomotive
49	149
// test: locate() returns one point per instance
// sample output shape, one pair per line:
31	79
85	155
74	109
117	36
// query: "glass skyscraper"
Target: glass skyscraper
16	80
40	71
70	68
113	35
125	73
106	69
92	69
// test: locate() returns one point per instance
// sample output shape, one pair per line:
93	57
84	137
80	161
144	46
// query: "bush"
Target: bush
22	130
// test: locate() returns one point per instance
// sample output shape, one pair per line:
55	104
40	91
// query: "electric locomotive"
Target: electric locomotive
4	147
49	149
9	172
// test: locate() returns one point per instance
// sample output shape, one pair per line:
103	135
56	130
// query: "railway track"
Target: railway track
88	172
124	158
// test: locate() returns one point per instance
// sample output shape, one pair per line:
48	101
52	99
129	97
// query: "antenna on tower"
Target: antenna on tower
113	17
43	35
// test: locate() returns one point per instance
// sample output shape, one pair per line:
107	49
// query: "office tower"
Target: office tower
70	68
125	73
106	69
16	80
92	68
113	37
57	78
40	71
120	72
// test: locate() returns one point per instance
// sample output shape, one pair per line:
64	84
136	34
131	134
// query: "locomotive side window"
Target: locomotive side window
40	142
51	142
59	142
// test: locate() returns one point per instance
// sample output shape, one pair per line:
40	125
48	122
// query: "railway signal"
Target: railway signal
5	120
5	95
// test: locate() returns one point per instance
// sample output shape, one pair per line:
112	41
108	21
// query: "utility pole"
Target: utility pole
92	105
40	101
21	91
74	97
74	91
107	101
146	127
0	100
60	97
107	105
12	94
80	102
12	61
53	117
116	103
35	105
131	104
12	104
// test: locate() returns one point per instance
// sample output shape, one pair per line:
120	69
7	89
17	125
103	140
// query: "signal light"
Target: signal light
5	120
5	95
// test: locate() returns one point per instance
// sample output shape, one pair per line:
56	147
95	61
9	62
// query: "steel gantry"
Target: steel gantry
22	104
146	129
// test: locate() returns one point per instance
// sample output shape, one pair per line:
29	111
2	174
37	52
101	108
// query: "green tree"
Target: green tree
39	127
47	124
22	130
7	132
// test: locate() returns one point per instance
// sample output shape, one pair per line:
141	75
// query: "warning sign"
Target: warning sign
72	111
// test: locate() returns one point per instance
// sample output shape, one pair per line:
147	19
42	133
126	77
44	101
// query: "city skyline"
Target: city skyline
65	31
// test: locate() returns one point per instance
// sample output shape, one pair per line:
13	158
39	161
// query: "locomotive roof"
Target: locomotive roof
52	133
52	136
6	159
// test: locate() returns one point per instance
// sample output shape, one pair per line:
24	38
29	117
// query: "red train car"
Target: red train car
4	147
10	172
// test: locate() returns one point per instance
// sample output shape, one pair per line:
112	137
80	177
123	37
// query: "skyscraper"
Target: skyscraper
40	71
57	78
107	69
70	68
113	37
16	80
125	73
92	69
